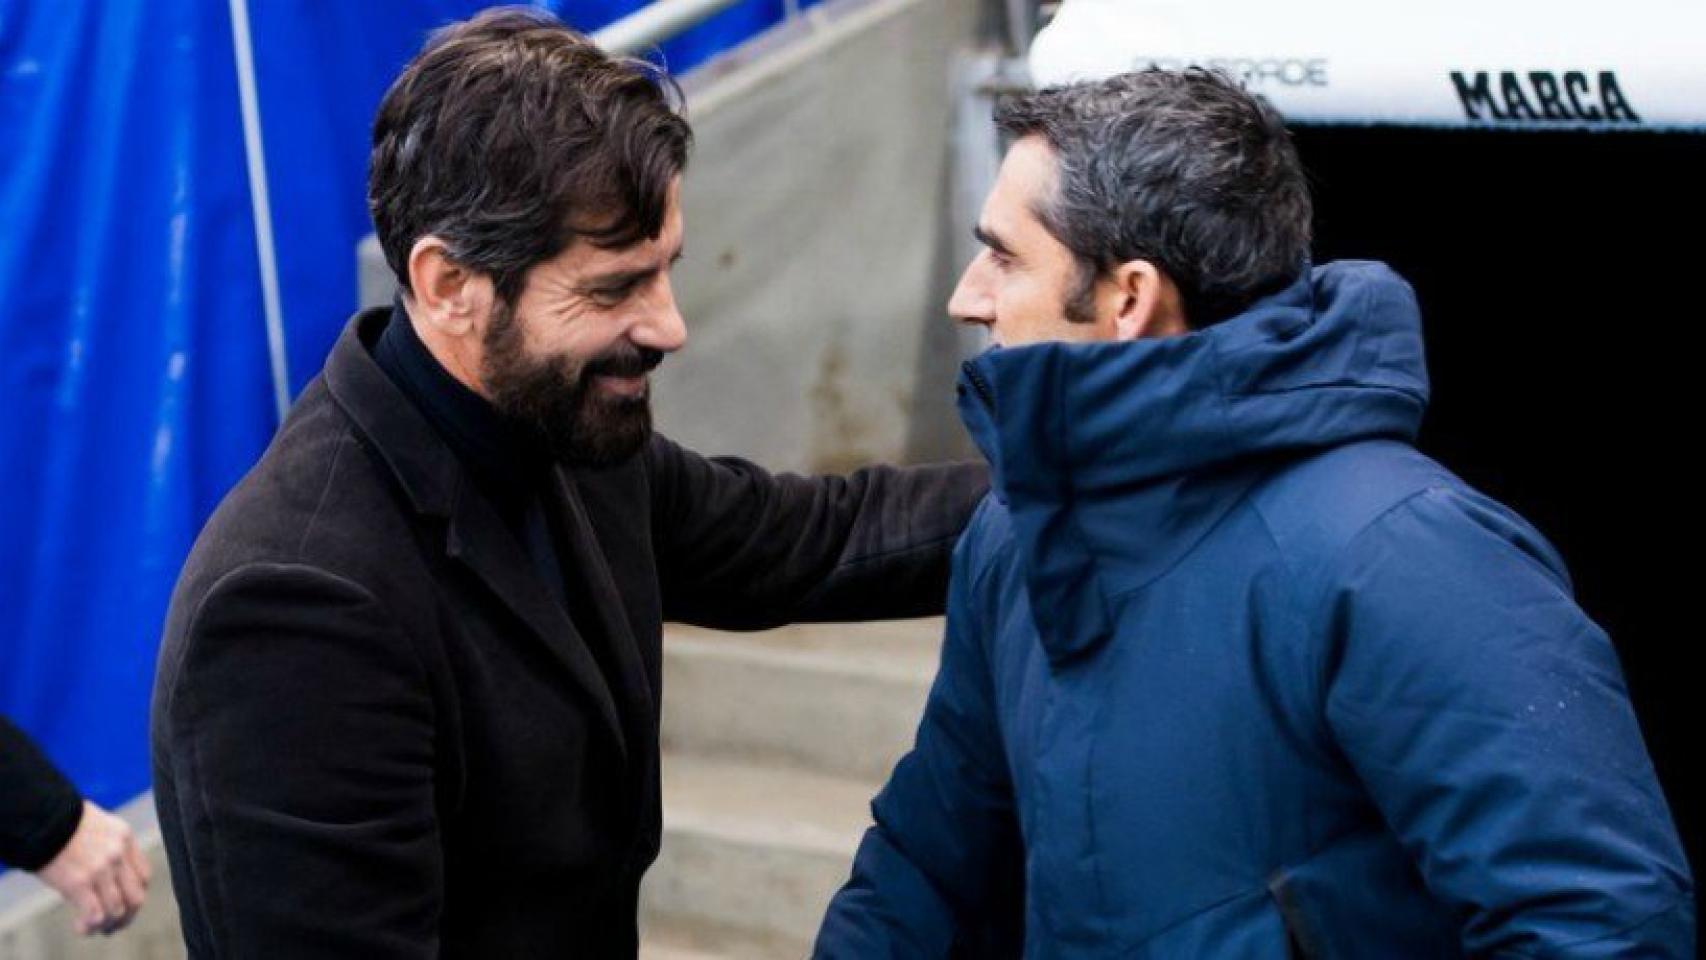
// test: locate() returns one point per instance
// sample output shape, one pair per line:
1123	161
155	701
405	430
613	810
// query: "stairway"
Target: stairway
774	744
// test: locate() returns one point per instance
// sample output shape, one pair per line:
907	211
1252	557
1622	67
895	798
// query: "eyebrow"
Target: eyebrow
992	240
623	278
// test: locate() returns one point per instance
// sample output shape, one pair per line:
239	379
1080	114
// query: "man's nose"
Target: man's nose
662	328
974	298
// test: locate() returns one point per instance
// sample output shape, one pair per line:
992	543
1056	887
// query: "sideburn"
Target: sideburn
1080	305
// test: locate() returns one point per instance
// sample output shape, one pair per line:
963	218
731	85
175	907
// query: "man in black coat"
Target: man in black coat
407	703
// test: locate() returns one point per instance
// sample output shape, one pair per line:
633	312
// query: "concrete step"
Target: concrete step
776	742
841	699
672	939
751	854
673	951
35	924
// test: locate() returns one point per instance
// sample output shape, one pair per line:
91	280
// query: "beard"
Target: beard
555	396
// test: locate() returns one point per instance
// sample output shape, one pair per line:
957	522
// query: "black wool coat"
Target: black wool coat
377	732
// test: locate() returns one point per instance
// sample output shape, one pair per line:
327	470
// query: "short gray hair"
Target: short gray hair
1184	169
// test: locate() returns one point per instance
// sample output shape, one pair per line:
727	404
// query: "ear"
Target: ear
1148	303
451	298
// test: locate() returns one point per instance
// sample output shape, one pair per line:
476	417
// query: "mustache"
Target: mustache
625	360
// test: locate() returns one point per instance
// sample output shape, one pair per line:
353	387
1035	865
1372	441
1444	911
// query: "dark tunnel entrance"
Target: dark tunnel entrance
1557	275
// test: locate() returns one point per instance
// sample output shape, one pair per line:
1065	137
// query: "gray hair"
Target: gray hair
1184	169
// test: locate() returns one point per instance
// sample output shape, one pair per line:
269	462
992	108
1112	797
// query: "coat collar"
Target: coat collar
416	454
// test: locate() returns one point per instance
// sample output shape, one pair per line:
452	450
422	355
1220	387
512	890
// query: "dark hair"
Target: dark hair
510	135
1184	169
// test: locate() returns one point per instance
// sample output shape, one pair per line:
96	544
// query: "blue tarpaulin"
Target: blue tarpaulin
134	362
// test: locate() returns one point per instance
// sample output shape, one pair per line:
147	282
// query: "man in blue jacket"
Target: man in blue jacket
1232	670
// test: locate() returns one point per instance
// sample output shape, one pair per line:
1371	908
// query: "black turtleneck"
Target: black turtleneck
508	464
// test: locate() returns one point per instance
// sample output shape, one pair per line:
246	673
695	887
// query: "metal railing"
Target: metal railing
657	22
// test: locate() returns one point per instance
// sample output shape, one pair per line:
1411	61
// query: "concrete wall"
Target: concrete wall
817	239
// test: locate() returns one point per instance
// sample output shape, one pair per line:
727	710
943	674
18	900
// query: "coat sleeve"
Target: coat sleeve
1489	720
741	548
298	734
940	873
39	808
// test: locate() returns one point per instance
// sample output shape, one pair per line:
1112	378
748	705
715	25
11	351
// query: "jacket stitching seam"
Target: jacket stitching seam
1681	900
325	492
896	551
1317	615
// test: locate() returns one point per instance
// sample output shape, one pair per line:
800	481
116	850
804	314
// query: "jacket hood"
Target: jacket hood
1114	458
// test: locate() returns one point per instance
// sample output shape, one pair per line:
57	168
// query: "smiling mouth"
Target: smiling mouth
622	386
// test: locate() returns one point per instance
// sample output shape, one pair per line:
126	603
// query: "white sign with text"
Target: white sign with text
1639	64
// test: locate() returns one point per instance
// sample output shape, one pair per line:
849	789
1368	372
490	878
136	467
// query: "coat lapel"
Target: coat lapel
436	485
588	570
479	540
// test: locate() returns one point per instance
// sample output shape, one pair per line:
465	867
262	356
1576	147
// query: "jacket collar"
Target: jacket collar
1116	459
416	454
1334	357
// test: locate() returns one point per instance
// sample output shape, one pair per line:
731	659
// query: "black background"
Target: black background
1560	276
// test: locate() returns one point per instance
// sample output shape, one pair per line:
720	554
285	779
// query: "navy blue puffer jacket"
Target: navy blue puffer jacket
1232	670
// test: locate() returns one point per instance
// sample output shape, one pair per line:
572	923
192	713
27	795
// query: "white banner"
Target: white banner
1637	64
